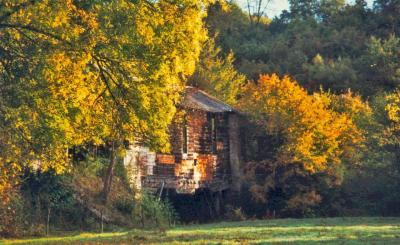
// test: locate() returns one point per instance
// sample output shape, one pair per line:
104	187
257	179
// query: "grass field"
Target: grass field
280	231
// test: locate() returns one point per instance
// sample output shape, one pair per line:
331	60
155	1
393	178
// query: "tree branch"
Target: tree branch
34	29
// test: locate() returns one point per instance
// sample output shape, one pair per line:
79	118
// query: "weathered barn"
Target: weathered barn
205	150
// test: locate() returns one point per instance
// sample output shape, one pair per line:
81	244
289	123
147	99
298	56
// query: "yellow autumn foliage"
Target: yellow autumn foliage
76	72
392	113
393	106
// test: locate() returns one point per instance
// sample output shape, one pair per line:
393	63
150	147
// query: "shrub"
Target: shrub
12	216
150	211
234	214
92	167
50	200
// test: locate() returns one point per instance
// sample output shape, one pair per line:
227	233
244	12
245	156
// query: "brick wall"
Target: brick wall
207	157
201	140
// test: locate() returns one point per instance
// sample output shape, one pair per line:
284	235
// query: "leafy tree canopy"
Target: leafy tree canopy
73	72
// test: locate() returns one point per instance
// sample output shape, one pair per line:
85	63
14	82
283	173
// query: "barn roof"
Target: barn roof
196	99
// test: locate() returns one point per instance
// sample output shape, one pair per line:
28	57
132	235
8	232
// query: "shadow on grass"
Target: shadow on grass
283	231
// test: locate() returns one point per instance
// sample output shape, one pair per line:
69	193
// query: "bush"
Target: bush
234	214
12	217
92	167
150	211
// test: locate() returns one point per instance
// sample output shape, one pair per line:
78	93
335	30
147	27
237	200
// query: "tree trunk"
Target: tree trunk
38	211
109	174
142	215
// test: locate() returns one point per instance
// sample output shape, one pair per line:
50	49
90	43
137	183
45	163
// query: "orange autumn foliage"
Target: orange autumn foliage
314	134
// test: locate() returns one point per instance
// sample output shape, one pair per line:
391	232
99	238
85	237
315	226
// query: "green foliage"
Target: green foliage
382	61
97	167
217	75
303	9
340	33
338	75
388	12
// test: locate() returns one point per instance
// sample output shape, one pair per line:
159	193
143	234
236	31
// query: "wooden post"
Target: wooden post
48	221
217	203
234	152
208	202
161	190
101	221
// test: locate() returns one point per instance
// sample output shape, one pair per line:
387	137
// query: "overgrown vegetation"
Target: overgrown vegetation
151	211
48	202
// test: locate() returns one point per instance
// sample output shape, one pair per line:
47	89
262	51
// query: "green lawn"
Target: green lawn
281	231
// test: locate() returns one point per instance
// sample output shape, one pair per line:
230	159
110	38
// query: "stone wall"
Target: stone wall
139	161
